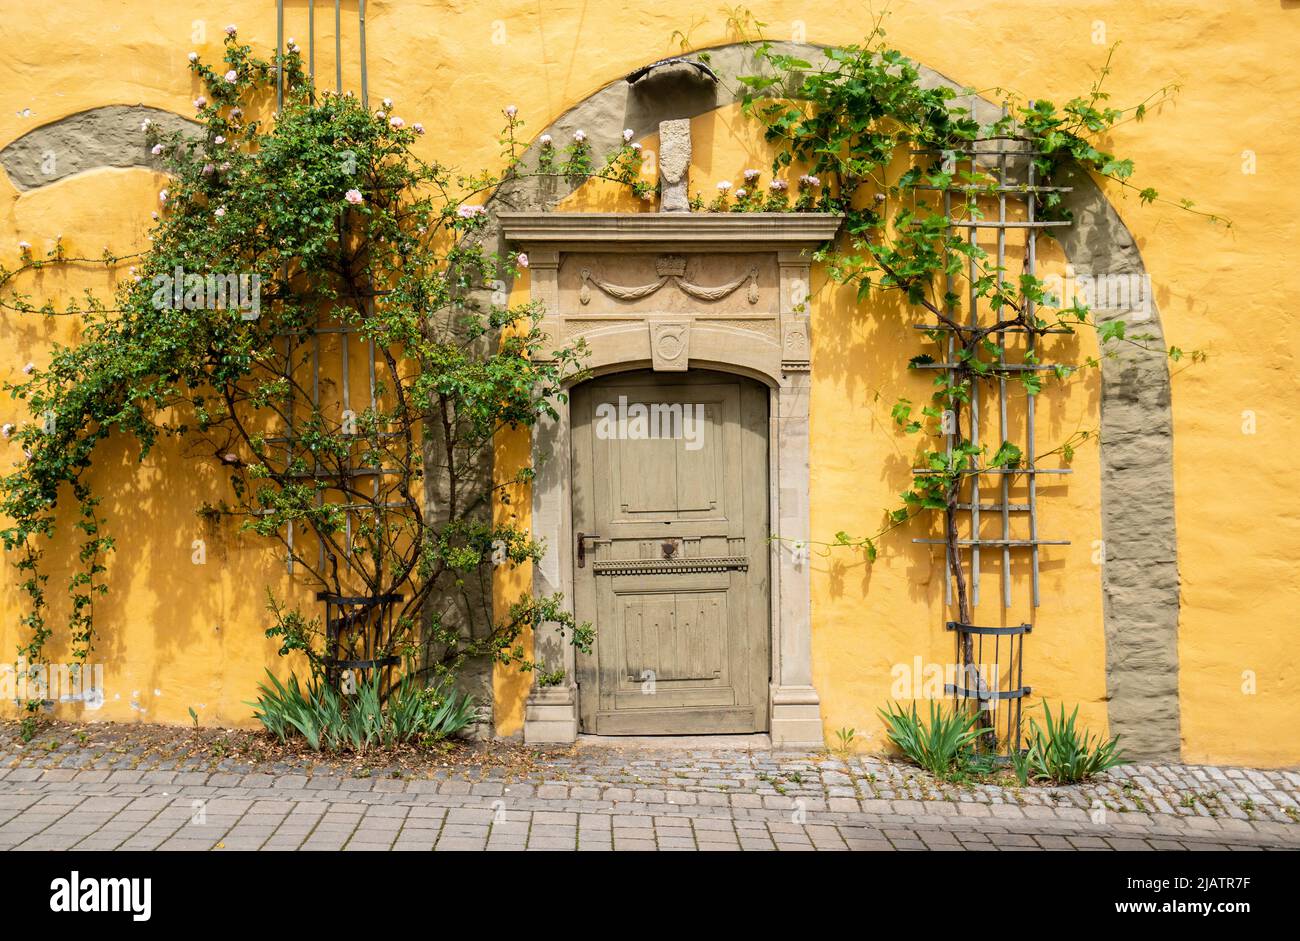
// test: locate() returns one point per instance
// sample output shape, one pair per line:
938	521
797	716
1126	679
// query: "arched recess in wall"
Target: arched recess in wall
1140	574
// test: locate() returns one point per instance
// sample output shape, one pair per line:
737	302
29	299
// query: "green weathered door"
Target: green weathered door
670	494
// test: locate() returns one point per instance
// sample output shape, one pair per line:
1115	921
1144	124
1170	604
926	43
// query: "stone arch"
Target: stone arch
621	348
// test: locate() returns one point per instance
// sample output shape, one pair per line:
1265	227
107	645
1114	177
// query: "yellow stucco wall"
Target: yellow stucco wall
175	636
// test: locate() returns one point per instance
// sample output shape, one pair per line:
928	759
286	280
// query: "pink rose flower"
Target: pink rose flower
354	197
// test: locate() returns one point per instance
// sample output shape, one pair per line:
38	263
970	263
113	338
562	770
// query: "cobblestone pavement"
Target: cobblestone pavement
601	798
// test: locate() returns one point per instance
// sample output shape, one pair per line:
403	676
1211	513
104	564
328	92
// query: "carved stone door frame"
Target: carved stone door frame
757	266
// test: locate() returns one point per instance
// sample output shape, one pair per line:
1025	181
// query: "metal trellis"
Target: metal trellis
357	626
1013	179
311	48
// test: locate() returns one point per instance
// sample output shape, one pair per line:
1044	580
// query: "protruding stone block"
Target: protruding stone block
674	165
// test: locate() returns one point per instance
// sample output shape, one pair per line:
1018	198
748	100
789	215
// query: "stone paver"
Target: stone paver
605	798
107	792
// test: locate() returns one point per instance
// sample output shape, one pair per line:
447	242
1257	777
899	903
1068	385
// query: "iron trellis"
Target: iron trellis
1013	172
356	625
311	48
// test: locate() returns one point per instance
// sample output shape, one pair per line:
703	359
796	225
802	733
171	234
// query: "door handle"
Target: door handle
582	547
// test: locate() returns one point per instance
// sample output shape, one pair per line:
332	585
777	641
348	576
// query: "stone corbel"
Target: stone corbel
795	345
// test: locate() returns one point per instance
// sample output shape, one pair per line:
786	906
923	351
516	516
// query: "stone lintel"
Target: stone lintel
680	232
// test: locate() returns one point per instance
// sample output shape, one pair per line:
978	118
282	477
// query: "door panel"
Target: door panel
683	479
670	475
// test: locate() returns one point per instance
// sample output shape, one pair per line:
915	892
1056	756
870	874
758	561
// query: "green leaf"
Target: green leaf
1007	455
1111	330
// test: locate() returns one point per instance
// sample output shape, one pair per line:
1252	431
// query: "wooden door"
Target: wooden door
670	493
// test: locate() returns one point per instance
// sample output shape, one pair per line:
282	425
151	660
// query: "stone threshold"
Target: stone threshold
757	742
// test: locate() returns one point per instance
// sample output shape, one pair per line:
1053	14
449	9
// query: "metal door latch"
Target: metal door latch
582	547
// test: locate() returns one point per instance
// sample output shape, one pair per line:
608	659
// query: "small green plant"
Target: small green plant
944	746
285	709
27	731
1134	795
1019	762
980	763
1064	754
428	713
844	738
194	717
329	720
